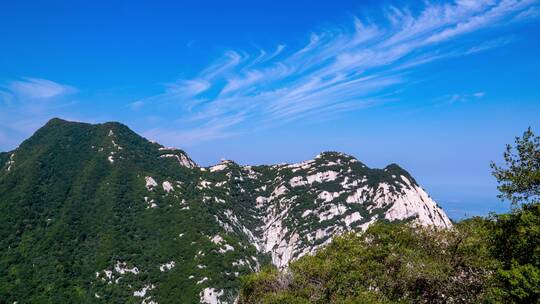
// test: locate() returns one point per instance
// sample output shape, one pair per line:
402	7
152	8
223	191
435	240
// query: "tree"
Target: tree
389	263
515	237
519	181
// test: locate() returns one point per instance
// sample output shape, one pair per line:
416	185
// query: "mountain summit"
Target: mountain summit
97	213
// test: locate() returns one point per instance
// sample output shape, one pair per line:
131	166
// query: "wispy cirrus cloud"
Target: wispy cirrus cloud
27	103
530	13
209	130
459	98
491	44
336	70
37	89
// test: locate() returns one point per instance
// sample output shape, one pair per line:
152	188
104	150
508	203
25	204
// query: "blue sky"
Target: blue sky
438	87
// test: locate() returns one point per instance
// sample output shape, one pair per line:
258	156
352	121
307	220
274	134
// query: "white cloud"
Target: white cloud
35	88
278	51
188	88
26	104
230	60
479	94
213	129
460	98
136	105
494	13
530	13
337	69
491	44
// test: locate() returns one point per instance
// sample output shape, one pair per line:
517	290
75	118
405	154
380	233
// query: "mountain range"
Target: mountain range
96	213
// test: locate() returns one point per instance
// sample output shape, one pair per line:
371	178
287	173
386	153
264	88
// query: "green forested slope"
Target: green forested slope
67	212
97	213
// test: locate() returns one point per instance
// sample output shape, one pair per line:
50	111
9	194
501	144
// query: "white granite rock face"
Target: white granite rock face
335	193
289	210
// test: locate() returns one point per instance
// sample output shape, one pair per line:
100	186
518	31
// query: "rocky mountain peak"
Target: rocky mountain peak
334	155
136	216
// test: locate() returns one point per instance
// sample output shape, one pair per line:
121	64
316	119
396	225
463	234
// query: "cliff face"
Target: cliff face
297	208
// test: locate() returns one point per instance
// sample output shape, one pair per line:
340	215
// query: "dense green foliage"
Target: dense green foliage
515	242
389	263
480	260
516	236
492	260
67	214
519	180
